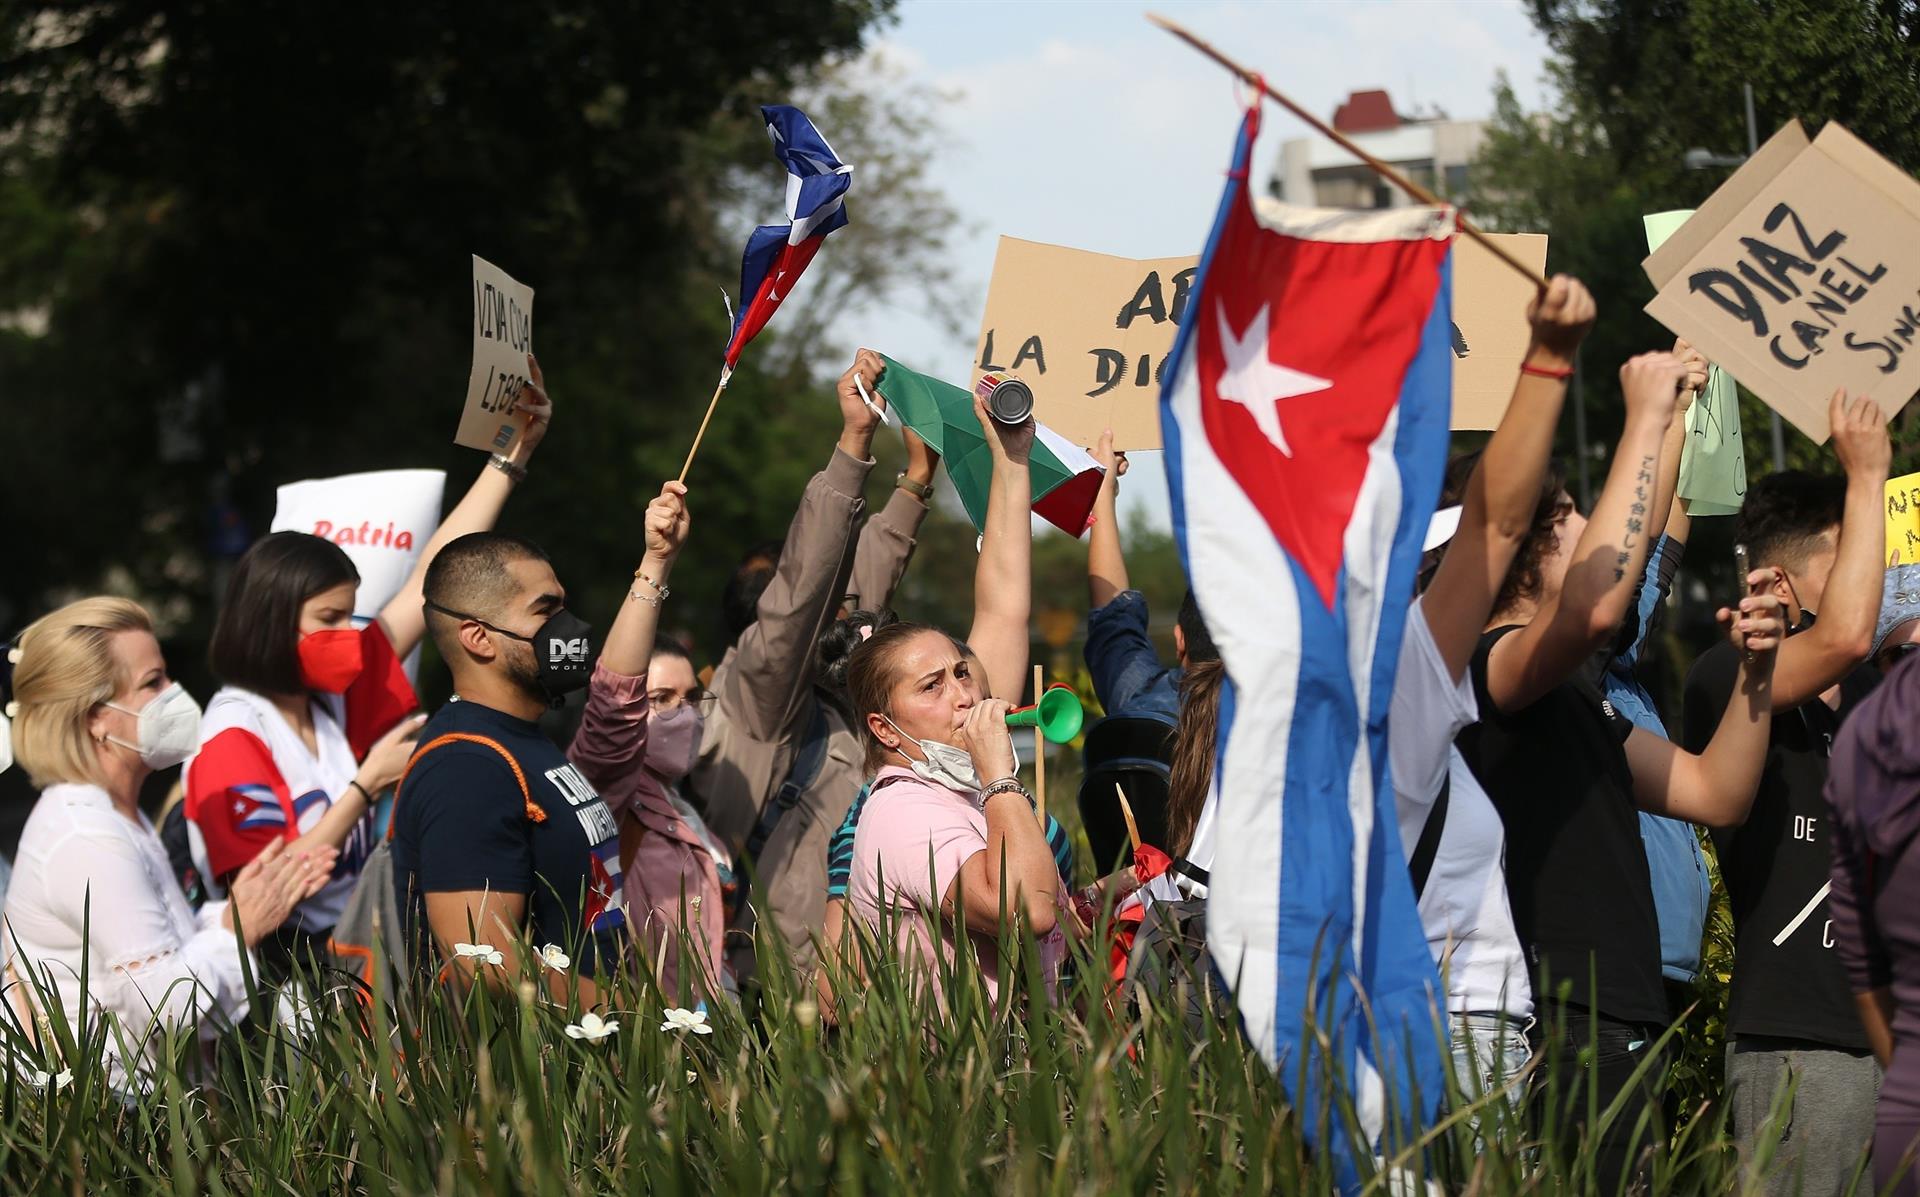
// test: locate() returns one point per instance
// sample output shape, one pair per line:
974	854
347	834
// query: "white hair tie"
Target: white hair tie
13	655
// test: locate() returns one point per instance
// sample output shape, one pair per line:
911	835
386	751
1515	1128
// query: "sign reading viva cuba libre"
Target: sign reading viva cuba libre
1801	275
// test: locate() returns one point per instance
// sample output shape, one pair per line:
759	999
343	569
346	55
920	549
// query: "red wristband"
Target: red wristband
1546	372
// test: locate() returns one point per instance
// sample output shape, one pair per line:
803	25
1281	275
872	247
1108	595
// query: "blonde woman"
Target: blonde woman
94	713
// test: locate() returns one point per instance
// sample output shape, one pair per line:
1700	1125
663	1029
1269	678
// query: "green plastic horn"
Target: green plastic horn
1058	714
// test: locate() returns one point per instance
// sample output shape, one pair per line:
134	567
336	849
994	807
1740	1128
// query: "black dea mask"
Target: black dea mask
563	649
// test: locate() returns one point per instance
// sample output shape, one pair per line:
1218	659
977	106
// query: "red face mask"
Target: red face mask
330	660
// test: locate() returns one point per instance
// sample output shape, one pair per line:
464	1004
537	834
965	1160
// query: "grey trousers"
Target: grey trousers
1809	1145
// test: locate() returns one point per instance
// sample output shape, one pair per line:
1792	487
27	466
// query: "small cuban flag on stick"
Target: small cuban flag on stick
777	254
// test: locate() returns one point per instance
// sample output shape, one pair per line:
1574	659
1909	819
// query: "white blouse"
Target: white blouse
84	867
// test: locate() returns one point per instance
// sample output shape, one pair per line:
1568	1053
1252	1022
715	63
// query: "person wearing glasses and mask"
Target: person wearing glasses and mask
316	717
637	741
94	714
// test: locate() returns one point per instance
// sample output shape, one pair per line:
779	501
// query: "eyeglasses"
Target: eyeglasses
671	700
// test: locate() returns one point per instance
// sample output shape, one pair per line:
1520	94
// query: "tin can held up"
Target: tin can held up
1009	401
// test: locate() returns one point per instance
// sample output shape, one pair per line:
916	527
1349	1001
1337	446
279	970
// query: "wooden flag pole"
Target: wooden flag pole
1340	139
1039	753
725	376
1126	812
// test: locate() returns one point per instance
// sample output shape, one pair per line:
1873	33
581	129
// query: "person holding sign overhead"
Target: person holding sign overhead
315	716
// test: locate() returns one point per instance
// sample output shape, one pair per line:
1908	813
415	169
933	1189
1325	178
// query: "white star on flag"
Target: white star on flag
1258	383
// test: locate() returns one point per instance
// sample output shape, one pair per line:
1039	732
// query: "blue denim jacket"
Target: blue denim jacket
1681	889
1127	675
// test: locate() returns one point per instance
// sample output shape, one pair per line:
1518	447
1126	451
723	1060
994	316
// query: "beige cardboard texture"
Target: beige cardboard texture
1091	333
502	338
1490	331
1802	274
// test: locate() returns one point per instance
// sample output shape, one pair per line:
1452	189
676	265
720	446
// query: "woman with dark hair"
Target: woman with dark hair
312	720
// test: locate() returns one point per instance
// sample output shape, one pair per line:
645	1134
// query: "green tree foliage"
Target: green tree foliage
1636	84
236	241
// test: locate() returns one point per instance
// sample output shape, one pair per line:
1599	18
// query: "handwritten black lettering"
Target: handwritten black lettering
1031	350
1109	370
1182	290
1147	301
986	354
1827	244
1459	341
1732	295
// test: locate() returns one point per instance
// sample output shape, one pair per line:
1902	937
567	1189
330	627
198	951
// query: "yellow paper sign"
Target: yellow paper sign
1903	520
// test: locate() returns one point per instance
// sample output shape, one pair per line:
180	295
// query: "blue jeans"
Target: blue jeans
1489	1050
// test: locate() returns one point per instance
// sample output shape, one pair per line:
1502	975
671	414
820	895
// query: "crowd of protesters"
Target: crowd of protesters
850	777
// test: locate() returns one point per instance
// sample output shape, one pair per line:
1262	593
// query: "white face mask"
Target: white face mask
169	728
946	765
6	742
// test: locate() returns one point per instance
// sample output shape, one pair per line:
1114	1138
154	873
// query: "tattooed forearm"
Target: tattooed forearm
1636	517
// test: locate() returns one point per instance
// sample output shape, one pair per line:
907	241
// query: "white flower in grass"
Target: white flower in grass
687	1020
554	958
486	953
592	1027
55	1082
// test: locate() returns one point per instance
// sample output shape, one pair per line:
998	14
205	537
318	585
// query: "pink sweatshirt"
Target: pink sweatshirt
671	884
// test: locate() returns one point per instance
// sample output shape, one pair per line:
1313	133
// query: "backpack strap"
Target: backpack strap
1420	864
807	763
534	812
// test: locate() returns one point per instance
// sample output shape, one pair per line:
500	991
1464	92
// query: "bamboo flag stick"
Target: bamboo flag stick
1126	812
725	376
1039	753
1334	135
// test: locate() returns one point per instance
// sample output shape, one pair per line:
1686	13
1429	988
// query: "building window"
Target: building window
1457	182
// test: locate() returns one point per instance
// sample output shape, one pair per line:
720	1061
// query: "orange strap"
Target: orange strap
534	812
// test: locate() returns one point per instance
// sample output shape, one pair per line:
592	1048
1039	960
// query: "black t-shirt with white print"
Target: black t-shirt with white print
460	823
1787	981
1576	869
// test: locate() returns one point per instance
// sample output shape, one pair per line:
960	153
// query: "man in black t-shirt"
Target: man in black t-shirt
494	843
1790	1015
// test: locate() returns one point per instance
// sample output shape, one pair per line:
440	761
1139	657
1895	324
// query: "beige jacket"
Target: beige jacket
766	700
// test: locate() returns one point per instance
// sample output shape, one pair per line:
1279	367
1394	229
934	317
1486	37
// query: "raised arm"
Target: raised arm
403	618
1106	563
1497	510
1016	873
1572	625
1850	606
887	539
629	645
1003	581
1669	516
1716	788
768	682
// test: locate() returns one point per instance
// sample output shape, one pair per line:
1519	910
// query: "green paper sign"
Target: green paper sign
1713	465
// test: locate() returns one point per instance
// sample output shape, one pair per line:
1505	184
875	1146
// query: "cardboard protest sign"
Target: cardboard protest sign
382	520
1091	333
1802	274
1713	465
1490	332
502	338
1088	332
1903	520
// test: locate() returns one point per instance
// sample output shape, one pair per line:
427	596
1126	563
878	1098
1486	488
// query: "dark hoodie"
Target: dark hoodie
1873	795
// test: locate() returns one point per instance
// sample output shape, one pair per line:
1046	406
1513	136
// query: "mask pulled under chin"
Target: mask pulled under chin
946	765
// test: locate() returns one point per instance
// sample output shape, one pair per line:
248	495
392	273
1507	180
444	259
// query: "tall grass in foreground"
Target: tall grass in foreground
489	1094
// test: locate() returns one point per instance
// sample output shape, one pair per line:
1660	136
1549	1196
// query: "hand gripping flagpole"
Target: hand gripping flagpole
1334	135
726	373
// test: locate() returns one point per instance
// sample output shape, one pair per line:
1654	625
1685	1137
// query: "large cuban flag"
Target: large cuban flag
817	183
1305	420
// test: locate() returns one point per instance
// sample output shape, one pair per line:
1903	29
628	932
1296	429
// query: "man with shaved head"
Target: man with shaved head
496	835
